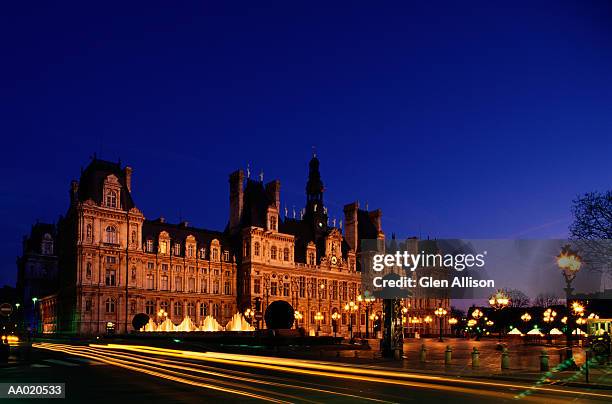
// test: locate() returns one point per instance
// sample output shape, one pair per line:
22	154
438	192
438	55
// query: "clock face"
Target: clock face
334	260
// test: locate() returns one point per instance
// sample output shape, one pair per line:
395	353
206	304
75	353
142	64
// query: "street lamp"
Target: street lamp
335	317
569	262
368	301
248	314
298	316
318	317
350	308
477	314
440	312
526	317
498	301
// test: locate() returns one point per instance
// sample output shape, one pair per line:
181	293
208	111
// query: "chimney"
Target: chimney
128	177
74	192
350	224
236	183
273	192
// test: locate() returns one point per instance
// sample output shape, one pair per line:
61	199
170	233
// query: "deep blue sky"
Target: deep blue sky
463	119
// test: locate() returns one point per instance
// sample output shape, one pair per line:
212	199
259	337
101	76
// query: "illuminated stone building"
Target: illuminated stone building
115	263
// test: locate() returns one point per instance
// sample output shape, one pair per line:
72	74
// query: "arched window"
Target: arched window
47	244
273	253
215	311
111	235
110	305
285	254
150	307
256	248
191	309
164	305
111	198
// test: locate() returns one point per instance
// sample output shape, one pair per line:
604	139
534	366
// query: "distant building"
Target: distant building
115	263
37	271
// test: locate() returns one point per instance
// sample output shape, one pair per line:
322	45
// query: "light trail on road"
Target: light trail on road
187	367
292	365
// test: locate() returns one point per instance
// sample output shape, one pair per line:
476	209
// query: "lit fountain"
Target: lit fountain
239	323
210	324
166	326
186	325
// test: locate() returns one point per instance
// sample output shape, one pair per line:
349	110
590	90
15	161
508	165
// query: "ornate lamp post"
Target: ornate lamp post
499	301
335	317
428	321
477	314
440	312
350	308
318	317
453	322
368	301
298	316
569	262
248	314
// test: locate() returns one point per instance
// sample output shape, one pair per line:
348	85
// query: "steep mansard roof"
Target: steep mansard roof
91	183
179	233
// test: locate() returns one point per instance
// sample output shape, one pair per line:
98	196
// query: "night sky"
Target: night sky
459	120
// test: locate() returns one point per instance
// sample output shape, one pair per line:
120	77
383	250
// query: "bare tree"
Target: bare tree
546	300
517	298
592	229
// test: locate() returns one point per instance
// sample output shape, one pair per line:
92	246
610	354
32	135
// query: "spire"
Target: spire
314	186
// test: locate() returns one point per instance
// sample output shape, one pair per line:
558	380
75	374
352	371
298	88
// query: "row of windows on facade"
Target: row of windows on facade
274	252
316	289
110	306
111	280
111	261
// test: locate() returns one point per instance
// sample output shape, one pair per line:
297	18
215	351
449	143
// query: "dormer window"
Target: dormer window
177	249
202	253
226	256
111	198
150	246
163	247
215	254
190	250
110	235
47	245
273	223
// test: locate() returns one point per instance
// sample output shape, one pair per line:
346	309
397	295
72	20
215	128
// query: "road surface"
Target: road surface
130	373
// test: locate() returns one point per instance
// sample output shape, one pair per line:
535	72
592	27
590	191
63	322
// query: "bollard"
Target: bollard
544	361
423	355
505	359
475	358
447	355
